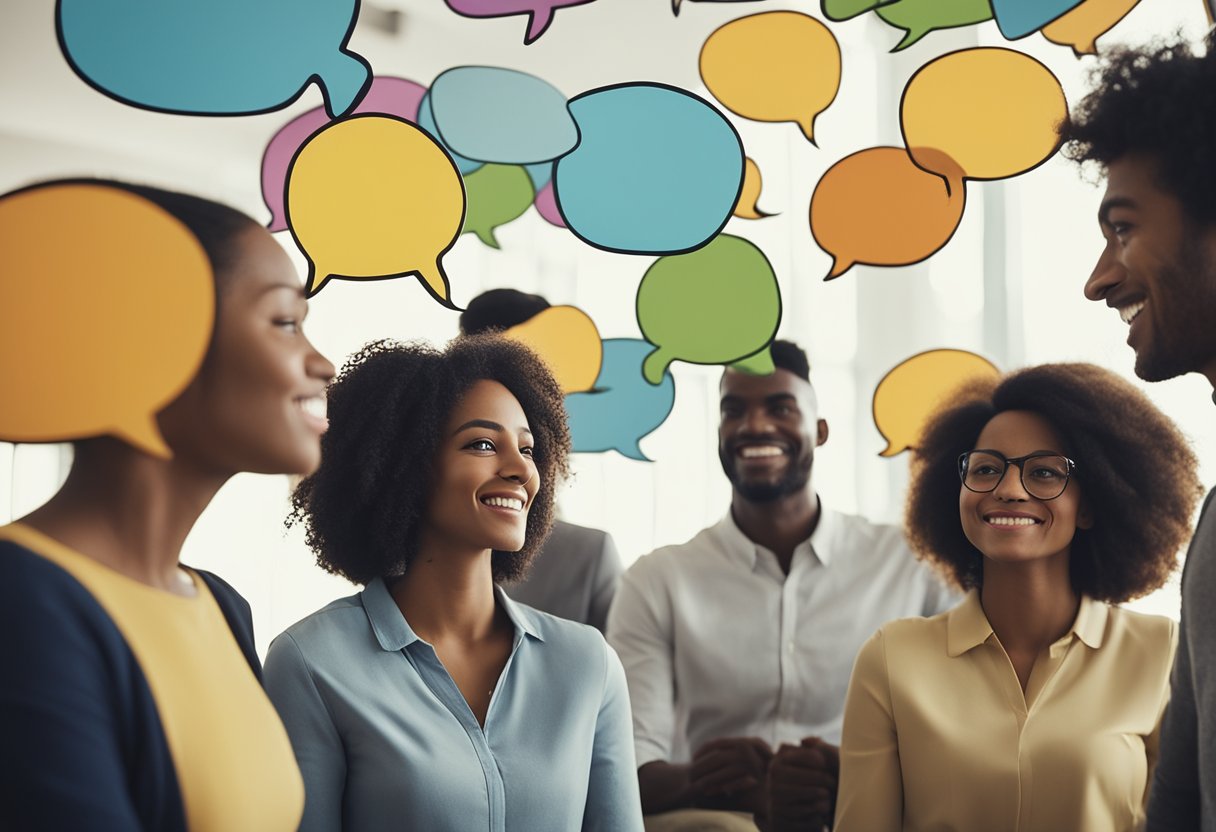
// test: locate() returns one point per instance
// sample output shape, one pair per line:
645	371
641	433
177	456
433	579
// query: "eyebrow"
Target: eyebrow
486	424
294	288
1111	204
770	399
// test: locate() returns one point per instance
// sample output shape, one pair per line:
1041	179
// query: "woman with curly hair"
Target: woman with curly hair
1053	495
430	700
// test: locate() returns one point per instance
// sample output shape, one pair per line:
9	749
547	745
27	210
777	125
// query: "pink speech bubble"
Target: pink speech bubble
539	12
546	205
386	96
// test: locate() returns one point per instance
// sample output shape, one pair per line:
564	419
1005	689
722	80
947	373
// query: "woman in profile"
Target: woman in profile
130	697
1052	495
430	700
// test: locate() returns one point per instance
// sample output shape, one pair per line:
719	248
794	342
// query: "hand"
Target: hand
800	792
730	773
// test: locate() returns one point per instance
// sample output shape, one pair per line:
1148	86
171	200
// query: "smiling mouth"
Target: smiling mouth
760	451
1010	522
508	503
314	410
1130	312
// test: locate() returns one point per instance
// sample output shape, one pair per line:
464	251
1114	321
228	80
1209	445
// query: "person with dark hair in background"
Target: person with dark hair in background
131	696
738	644
576	573
430	700
1036	703
1150	124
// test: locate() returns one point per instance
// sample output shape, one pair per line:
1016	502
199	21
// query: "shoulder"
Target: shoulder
327	630
568	540
675	556
1137	629
36	590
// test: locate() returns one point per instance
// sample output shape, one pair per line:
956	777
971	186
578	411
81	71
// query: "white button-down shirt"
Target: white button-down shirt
718	642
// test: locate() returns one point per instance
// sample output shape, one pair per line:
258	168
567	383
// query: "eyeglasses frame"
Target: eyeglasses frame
1020	462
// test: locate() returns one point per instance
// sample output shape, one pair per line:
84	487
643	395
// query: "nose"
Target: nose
1010	487
1107	274
755	420
515	466
318	366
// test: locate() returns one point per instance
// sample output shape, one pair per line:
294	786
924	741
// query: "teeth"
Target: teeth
313	406
755	451
504	502
1011	521
1129	313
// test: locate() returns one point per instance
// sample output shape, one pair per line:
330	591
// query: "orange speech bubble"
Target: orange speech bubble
1081	27
993	111
746	208
568	341
98	335
773	66
878	208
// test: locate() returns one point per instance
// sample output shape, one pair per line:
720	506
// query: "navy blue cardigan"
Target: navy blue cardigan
81	742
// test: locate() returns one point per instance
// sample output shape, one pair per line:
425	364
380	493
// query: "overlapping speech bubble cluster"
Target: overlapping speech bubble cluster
1074	23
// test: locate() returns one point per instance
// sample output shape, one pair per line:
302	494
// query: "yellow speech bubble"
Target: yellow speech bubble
909	394
746	207
773	66
877	207
993	111
568	341
371	197
106	309
1081	27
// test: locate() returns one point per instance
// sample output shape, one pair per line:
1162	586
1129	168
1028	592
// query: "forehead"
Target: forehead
1134	178
490	401
1020	432
749	387
257	263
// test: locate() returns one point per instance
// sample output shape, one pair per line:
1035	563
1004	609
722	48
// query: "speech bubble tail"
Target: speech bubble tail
315	282
839	267
634	451
910	37
675	7
655	365
144	434
808	130
891	450
276	224
486	235
436	283
757	364
344	82
538	23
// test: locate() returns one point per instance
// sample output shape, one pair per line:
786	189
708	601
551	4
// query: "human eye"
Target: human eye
1046	472
483	445
289	323
529	452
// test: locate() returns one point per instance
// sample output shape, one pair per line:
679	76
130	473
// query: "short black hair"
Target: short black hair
363	507
789	356
1138	474
500	309
1159	101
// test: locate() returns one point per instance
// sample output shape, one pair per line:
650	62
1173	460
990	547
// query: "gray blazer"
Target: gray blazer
574	576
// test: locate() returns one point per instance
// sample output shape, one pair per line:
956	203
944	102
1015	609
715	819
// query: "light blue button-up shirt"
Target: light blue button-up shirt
386	741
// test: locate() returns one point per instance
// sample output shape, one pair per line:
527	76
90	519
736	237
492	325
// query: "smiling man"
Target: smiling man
739	643
1151	126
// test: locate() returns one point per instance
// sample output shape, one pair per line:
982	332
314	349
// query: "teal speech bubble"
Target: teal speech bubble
918	18
496	195
622	408
715	305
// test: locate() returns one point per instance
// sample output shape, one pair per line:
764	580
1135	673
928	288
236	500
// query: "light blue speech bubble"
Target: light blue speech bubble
624	407
657	170
426	120
1019	18
541	175
214	57
501	116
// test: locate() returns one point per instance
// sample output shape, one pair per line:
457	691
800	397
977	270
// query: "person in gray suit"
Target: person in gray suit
576	573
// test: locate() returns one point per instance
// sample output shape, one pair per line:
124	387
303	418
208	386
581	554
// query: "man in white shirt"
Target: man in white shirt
738	644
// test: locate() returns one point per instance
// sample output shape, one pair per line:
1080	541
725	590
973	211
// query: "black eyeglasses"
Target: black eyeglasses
1044	475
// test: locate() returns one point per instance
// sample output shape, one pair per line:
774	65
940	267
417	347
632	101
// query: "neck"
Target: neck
1029	605
779	525
448	593
128	510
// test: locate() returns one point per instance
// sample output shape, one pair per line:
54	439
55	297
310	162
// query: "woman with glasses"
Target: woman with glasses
1052	495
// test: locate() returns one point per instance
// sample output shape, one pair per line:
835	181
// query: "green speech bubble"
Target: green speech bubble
715	305
496	195
918	18
845	9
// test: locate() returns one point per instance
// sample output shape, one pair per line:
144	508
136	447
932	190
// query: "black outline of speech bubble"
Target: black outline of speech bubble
839	63
899	48
675	4
763	215
309	81
966	177
531	19
823	8
1208	7
310	290
1001	29
874	395
723	364
836	257
659	252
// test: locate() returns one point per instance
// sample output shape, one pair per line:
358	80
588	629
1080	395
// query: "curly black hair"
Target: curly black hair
1138	475
362	509
1159	101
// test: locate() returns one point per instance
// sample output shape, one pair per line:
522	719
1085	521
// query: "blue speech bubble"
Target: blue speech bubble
501	115
624	407
426	120
214	57
657	170
1019	18
541	174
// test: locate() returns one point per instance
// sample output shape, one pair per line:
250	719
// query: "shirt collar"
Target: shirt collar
968	627
394	633
820	543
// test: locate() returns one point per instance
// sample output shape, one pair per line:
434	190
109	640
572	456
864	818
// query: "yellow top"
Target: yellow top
938	734
234	762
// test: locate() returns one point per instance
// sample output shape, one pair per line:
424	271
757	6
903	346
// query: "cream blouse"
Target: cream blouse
938	734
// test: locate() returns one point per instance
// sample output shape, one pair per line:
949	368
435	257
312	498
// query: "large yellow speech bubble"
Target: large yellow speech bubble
106	309
374	196
909	394
568	341
746	207
877	207
1081	27
993	111
773	66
